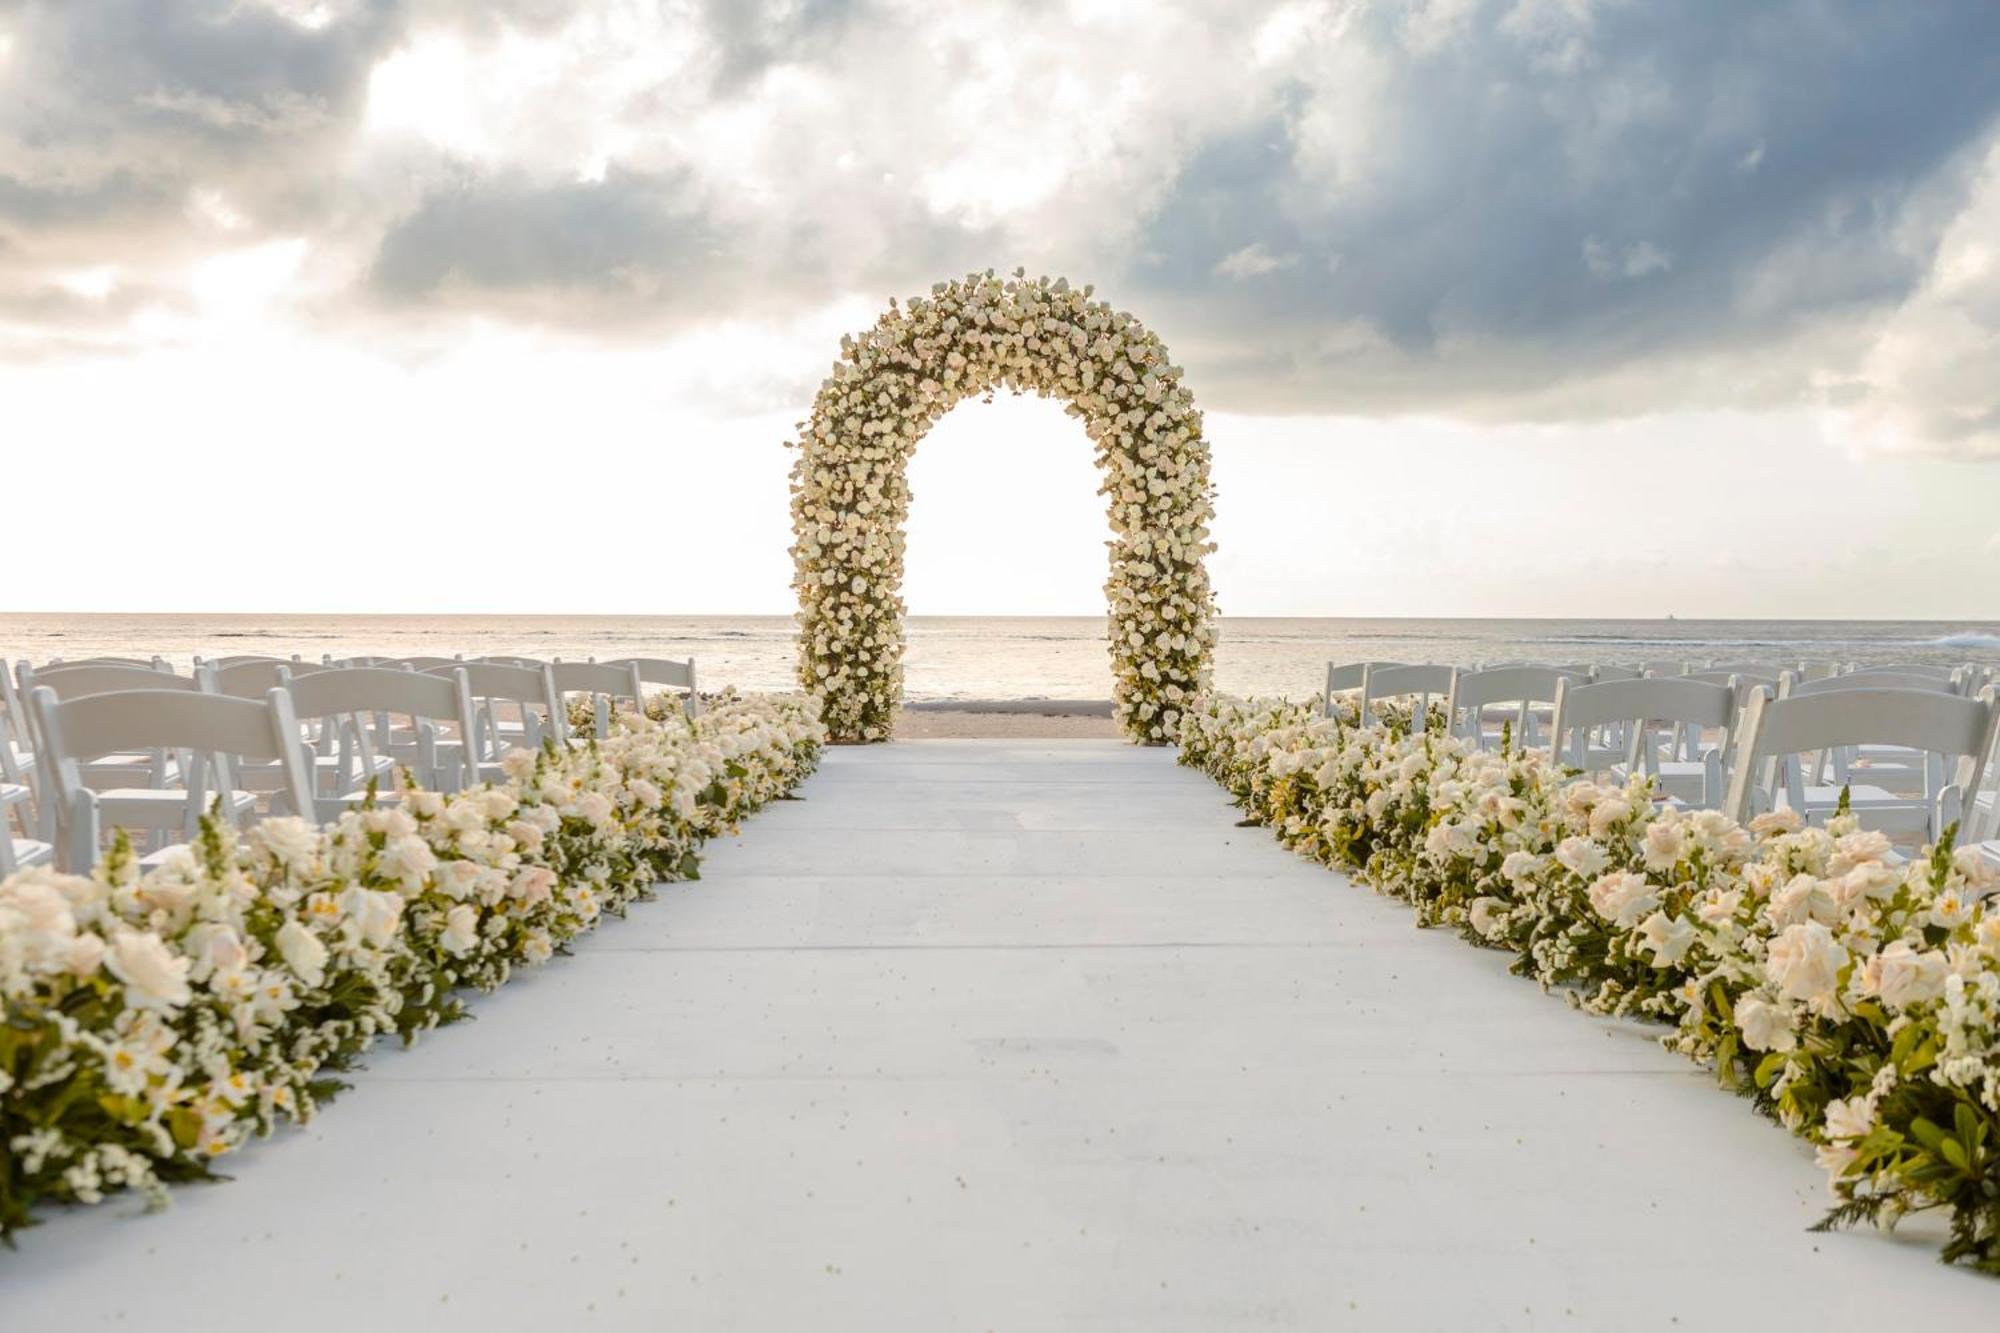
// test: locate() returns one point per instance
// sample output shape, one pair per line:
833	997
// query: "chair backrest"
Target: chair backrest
1521	686
1613	671
74	682
605	683
75	731
1745	679
1423	680
1344	676
15	728
253	678
238	659
1665	667
502	660
1637	706
1930	720
666	671
530	686
1931	669
599	678
155	663
423	663
1866	680
1771	669
357	692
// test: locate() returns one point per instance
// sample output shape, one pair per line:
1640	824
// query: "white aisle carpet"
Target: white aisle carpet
1006	1035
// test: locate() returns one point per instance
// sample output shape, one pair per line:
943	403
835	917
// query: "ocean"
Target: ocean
1005	657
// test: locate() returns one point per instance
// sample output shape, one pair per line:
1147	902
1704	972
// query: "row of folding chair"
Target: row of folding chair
156	755
1910	752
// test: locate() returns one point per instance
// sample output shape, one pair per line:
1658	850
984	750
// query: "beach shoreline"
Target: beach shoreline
1008	719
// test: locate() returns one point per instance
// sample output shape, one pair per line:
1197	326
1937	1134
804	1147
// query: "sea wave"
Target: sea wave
1966	640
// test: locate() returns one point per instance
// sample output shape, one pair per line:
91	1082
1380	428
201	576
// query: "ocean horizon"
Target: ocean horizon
1003	657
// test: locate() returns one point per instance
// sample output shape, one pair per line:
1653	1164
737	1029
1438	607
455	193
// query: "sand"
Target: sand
1014	719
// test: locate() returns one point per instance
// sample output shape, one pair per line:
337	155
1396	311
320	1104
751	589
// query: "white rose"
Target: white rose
374	915
1668	938
1804	962
1665	844
1765	1026
461	930
1902	976
1582	857
290	841
86	954
1623	898
409	859
303	953
154	977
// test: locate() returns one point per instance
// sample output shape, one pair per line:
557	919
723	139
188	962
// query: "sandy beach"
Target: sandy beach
1013	719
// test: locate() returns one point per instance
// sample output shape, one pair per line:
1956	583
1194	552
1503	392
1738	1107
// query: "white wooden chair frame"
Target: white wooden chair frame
605	684
1777	732
1638	707
1424	681
665	671
211	725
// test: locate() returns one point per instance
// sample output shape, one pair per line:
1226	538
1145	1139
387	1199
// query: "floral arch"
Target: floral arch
851	498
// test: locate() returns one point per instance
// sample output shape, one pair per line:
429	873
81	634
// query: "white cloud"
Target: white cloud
1932	378
1253	261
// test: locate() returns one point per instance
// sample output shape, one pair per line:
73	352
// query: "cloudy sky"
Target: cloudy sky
1507	307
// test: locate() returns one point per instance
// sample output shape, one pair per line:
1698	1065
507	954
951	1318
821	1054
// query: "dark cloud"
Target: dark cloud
1686	185
1515	207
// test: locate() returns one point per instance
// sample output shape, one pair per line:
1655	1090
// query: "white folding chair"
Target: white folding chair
605	684
1638	708
216	728
1520	687
347	699
1422	682
1885	765
526	691
665	671
128	775
1778	733
1342	678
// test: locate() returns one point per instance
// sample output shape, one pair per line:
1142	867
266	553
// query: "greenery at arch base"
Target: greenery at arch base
851	496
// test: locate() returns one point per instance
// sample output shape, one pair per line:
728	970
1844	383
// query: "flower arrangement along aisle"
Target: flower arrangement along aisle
157	1020
1854	998
851	496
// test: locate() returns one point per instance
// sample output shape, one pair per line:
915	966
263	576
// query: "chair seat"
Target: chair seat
154	860
10	792
154	807
1880	810
28	852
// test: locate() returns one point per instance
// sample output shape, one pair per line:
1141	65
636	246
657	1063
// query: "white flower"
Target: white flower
154	977
408	859
1582	857
461	929
1622	898
374	915
1669	939
303	953
289	839
86	953
1901	976
1849	1119
1665	844
1804	962
1765	1026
